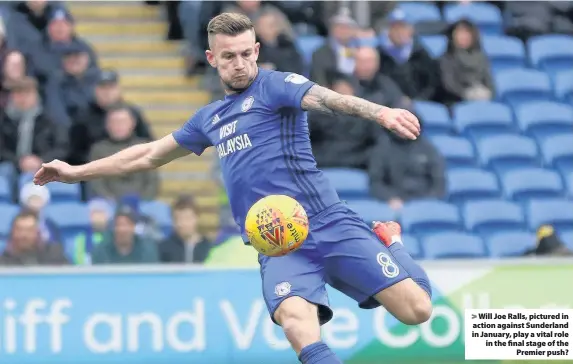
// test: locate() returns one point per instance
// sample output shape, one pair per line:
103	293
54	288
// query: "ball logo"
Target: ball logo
247	103
282	289
274	236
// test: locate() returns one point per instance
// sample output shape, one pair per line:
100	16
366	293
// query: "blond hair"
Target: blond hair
228	24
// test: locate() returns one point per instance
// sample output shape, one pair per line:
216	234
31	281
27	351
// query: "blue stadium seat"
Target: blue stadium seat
435	44
5	190
64	192
504	52
478	119
427	216
2	245
555	212
457	151
564	86
491	216
465	184
485	16
567	238
7	212
372	210
558	152
569	178
160	212
307	44
349	183
71	217
505	152
545	118
519	86
25	178
434	116
453	245
551	52
412	245
420	12
510	244
531	183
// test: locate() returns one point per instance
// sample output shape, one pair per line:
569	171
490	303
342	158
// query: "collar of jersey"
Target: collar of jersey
237	94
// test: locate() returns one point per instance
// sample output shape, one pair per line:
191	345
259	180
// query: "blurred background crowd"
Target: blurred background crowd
492	83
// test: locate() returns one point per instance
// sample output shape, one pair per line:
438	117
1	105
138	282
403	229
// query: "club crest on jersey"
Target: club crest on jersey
296	79
247	103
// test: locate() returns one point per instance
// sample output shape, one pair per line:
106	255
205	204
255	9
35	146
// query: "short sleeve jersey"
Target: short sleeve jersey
262	139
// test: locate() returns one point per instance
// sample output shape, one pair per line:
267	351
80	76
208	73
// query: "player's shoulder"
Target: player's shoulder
287	77
205	112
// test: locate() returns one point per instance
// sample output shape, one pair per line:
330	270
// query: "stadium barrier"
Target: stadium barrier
161	315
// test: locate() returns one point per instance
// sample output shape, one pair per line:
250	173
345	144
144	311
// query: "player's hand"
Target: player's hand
54	171
402	122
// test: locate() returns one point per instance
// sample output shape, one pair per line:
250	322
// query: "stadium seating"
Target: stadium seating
510	244
160	212
558	152
428	216
371	210
453	245
570	184
487	17
532	183
7	212
434	116
555	212
495	153
71	217
504	52
564	86
551	52
543	118
420	12
567	238
64	192
479	119
349	183
491	216
5	190
2	245
457	151
435	44
466	184
520	86
412	245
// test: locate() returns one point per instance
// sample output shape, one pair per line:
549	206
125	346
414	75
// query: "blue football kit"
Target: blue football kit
262	139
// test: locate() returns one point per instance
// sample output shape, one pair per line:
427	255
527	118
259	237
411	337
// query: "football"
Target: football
276	225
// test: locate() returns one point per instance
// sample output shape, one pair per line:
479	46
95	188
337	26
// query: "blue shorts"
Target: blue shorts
341	250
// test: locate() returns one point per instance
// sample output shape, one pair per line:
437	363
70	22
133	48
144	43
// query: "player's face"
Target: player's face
235	58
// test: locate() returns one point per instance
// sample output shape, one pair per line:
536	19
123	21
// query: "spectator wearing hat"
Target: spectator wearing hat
336	55
120	125
34	198
47	56
406	61
28	136
186	244
37	13
84	244
123	245
71	91
89	126
25	247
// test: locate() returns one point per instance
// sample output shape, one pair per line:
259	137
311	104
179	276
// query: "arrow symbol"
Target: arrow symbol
474	316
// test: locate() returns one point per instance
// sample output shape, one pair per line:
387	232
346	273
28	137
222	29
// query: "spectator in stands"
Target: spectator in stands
186	244
47	56
374	86
28	136
405	60
549	244
531	18
402	170
337	54
84	244
89	126
38	12
71	91
255	9
120	125
341	140
465	70
124	246
4	48
34	198
25	247
13	66
278	51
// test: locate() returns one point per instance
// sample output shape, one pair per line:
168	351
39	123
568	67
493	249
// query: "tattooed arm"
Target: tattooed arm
321	99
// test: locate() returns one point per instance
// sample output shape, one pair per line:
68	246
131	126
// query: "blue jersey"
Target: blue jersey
261	136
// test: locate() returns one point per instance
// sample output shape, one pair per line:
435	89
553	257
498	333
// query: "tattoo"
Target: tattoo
321	99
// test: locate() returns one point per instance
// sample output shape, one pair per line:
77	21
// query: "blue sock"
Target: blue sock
414	270
318	353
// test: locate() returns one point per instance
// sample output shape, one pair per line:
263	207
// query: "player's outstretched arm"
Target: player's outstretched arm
400	121
140	157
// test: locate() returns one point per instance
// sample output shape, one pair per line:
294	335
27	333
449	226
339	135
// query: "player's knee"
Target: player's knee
298	318
419	309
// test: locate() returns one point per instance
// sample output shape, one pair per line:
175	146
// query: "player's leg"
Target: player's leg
295	294
359	265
